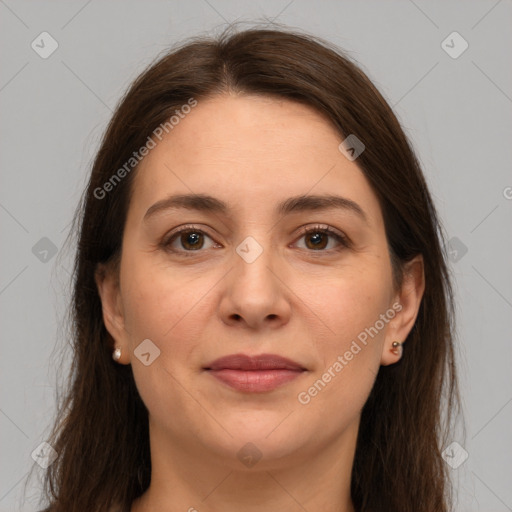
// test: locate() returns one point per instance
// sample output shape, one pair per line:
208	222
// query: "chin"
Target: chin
275	435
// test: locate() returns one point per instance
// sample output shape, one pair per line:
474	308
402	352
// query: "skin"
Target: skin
295	300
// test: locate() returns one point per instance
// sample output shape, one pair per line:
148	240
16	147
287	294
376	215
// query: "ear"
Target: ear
107	281
408	297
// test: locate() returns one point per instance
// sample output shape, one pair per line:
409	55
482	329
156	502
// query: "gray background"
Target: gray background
457	112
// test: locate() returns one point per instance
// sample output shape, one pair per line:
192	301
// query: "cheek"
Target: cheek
162	304
356	310
348	303
171	311
350	358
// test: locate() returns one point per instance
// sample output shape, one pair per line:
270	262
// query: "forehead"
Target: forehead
250	150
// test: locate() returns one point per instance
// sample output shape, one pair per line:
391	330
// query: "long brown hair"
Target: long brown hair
101	433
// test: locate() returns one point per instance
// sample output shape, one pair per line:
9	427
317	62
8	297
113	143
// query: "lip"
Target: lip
254	374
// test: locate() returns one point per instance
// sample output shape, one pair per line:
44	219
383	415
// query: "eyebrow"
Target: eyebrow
302	203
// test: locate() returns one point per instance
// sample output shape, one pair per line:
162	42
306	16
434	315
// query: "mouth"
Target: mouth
254	374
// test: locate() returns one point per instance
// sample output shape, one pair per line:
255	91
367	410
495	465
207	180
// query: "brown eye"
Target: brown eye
318	239
191	240
187	240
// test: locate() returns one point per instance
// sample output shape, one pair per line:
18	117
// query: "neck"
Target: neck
190	478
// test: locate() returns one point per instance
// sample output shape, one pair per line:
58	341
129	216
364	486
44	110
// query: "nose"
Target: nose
255	292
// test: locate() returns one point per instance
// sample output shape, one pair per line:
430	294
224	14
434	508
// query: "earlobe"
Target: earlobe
107	284
409	297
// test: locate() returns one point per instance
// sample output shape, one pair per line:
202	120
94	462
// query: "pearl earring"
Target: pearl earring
116	355
396	348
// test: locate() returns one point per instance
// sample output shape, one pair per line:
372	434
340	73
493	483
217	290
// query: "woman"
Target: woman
262	309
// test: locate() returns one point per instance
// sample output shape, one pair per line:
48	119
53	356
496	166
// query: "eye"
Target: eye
317	238
190	239
187	239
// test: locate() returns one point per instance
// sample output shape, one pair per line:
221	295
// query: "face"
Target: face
254	271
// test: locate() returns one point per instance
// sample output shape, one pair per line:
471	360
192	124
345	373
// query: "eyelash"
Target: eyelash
324	229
